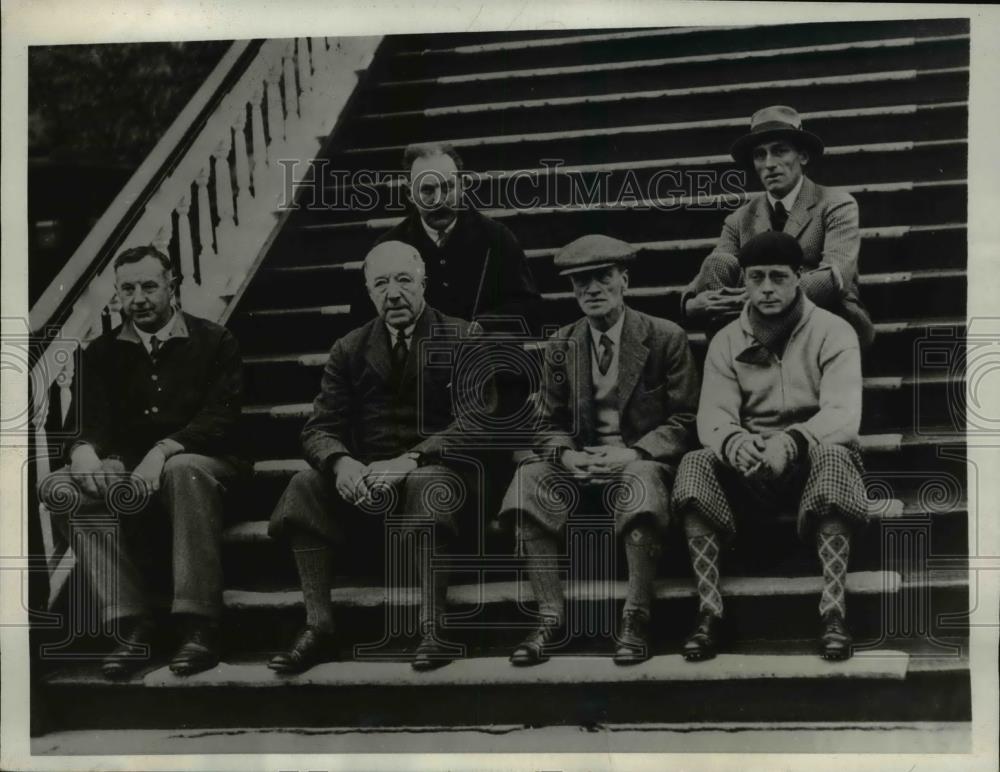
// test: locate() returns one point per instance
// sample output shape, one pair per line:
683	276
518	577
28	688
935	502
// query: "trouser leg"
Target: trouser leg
99	539
192	491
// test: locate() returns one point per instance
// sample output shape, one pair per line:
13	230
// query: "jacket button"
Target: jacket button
445	284
155	377
156	410
145	412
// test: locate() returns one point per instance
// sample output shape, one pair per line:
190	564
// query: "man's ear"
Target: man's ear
804	157
625	276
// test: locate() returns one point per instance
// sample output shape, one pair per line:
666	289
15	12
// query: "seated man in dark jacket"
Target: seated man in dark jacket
160	396
378	429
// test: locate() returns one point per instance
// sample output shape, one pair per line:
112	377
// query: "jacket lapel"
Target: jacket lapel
581	386
632	358
761	215
420	331
377	351
801	212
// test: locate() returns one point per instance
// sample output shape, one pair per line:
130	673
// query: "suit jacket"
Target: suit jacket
825	223
657	388
359	410
191	394
480	270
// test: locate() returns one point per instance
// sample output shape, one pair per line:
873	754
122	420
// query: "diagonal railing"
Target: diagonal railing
208	195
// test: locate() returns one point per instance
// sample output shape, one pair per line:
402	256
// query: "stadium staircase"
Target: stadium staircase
615	107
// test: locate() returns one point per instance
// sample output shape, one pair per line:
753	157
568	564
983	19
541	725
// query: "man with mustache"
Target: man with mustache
475	267
380	424
617	411
160	396
823	220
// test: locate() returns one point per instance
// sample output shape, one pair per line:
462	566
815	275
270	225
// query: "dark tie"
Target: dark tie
154	346
441	236
607	354
779	216
399	352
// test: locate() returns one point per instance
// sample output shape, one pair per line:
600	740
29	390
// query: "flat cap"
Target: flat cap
771	248
588	253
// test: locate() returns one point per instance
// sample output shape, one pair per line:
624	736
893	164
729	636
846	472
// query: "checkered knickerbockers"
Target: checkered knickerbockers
830	483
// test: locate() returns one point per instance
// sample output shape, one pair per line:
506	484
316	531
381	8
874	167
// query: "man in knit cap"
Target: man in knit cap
779	416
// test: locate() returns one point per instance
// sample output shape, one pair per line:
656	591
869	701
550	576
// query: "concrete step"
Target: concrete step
664	69
569	690
434	55
930	294
381	195
626	214
504	116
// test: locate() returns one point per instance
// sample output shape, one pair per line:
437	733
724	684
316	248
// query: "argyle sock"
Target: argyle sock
312	559
540	550
834	551
704	551
642	548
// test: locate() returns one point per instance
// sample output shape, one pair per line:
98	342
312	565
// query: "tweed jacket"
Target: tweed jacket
191	394
361	413
815	387
657	388
825	223
479	271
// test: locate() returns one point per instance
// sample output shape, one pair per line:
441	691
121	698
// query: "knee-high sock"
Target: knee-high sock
703	547
433	586
312	558
642	548
833	543
540	550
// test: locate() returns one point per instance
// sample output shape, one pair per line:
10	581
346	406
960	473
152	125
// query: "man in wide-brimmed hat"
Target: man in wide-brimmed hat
823	220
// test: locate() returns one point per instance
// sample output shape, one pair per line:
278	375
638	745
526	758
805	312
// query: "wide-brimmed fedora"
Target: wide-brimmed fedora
773	123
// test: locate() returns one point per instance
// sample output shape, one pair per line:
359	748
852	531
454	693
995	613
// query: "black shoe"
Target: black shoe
633	641
431	653
532	650
310	647
702	643
835	640
132	652
200	648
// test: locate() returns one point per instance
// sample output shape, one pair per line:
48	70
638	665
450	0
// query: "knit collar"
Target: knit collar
176	328
769	333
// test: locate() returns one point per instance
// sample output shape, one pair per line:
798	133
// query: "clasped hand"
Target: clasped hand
356	481
766	459
598	463
720	304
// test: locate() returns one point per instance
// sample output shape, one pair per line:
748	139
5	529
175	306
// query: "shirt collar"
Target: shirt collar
789	200
433	232
394	333
615	333
175	327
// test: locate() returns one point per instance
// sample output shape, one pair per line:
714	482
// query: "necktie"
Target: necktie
441	236
399	352
779	216
607	354
154	346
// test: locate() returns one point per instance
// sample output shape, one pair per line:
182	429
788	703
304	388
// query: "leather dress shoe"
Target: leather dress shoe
200	648
702	643
532	650
633	641
835	640
132	652
310	647
431	654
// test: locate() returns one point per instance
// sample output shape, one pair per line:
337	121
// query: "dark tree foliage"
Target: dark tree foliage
110	103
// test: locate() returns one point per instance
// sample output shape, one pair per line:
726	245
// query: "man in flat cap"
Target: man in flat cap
617	414
779	416
380	426
823	220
